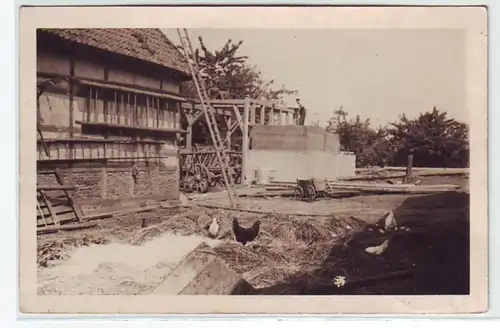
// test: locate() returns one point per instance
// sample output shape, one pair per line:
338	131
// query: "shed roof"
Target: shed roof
146	44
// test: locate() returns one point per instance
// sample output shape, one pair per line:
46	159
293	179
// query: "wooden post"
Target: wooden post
409	167
189	137
263	115
253	109
229	132
245	142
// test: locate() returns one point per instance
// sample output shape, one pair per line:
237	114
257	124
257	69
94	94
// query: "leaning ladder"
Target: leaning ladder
209	114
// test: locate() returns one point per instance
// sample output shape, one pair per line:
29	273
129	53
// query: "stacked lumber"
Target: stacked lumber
385	187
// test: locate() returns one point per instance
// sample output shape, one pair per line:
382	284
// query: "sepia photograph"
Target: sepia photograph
255	161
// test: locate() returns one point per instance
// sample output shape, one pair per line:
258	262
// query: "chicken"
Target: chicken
213	229
245	235
377	250
390	221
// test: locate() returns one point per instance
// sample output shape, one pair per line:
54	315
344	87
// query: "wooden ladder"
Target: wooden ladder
56	203
208	112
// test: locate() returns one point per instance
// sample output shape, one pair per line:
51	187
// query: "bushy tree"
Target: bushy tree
434	139
226	74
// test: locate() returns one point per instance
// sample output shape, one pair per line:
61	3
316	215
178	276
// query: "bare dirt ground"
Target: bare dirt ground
292	255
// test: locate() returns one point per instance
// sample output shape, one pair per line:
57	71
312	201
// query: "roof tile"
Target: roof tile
150	45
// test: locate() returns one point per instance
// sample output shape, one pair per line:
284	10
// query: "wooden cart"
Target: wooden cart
200	169
310	189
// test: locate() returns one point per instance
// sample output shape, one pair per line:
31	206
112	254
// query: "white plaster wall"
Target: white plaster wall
288	166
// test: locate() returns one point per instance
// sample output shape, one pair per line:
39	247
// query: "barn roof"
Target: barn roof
146	44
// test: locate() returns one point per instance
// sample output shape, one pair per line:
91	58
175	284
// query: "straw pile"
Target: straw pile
285	245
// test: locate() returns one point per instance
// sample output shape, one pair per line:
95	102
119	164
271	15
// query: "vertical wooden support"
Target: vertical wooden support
157	111
134	111
262	114
229	131
189	137
128	111
89	102
147	111
245	142
409	166
252	114
96	111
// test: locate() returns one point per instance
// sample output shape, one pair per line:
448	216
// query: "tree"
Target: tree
228	75
433	138
224	71
357	136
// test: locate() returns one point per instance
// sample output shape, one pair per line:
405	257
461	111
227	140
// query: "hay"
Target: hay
285	246
49	250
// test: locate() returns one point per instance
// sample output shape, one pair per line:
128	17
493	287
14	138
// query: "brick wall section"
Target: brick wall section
168	182
88	182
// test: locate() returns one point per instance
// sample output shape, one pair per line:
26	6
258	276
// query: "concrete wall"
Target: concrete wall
288	166
290	137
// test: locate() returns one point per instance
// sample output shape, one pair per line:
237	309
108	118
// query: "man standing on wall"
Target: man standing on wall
301	113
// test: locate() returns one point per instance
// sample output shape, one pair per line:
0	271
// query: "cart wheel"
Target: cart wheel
311	193
200	185
199	180
299	193
326	194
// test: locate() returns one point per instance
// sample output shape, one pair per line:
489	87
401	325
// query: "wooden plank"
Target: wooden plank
55	187
66	227
128	127
202	272
60	209
78	211
61	219
44	220
49	206
245	142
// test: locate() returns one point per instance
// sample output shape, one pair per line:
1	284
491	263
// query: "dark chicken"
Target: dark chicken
245	235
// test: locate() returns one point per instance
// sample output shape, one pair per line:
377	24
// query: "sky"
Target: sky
375	73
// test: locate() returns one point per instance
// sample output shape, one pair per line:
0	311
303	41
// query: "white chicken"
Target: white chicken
213	229
390	221
377	250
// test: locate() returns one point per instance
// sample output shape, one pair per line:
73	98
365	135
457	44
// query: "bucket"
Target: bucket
264	176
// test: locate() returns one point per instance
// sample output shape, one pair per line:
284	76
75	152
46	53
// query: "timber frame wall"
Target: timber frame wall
109	123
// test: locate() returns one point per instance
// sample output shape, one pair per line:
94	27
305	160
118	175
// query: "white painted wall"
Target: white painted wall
288	166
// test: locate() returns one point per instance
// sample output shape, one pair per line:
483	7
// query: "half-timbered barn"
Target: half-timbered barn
108	115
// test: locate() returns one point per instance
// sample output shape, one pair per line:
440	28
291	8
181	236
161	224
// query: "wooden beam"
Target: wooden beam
70	195
54	187
230	131
66	227
252	113
245	142
133	128
49	207
189	137
262	115
95	140
237	114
